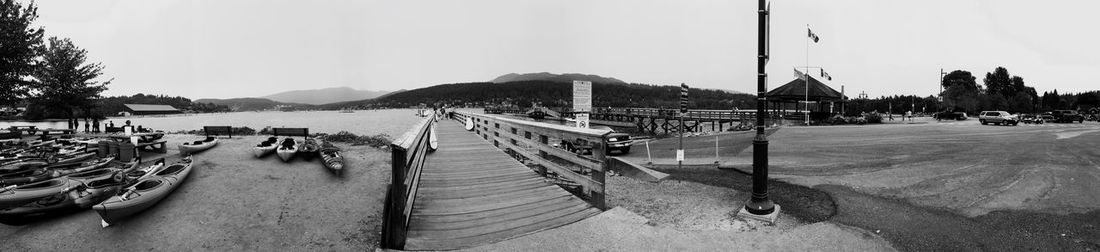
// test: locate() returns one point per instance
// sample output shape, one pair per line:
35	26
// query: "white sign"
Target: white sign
582	120
679	155
582	102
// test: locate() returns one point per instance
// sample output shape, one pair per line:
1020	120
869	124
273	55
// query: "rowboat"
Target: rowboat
330	156
197	146
286	149
265	147
145	193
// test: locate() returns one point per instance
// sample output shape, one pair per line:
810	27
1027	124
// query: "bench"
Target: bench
155	146
218	130
290	131
31	129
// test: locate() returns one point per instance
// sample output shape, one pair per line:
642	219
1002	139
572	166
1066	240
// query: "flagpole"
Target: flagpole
806	105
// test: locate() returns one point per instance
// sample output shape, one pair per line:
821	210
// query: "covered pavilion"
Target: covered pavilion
795	92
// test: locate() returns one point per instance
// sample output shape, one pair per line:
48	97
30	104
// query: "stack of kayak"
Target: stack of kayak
71	192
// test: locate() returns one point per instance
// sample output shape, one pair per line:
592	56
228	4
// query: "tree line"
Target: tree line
50	76
553	94
1002	91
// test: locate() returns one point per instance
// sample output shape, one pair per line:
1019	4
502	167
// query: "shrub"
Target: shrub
873	117
380	141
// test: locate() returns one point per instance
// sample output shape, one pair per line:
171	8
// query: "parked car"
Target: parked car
1067	116
1031	118
1047	117
951	116
998	118
615	141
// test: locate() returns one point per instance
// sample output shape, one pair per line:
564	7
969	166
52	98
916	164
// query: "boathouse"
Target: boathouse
151	109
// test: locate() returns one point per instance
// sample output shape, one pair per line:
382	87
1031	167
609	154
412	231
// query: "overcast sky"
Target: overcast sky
229	48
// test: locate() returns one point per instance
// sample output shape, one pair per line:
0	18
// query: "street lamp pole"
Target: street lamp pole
759	204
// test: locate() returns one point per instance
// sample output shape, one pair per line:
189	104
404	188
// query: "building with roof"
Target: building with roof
795	94
150	109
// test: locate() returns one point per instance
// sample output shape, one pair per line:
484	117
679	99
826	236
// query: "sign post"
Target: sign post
683	110
582	102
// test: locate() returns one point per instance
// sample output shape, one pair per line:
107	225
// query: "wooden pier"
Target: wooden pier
469	193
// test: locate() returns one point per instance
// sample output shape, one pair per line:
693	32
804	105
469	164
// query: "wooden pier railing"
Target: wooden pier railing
407	161
540	144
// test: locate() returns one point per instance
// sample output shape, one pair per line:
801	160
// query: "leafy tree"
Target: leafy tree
64	81
20	44
961	91
999	82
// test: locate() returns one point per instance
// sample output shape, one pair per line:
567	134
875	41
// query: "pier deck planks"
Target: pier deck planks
472	194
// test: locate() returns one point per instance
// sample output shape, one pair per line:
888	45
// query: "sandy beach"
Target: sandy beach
234	201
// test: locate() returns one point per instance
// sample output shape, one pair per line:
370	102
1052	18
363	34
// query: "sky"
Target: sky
251	48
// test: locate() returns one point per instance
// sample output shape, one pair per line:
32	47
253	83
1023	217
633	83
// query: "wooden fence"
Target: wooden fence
408	155
543	145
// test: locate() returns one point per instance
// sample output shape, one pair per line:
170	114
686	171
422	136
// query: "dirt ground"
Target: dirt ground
234	201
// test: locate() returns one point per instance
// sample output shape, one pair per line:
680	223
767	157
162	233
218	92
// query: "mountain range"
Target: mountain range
562	78
324	95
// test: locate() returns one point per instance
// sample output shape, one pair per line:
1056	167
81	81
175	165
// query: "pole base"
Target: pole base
767	218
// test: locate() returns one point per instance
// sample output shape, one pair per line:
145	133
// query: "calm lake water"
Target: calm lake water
393	122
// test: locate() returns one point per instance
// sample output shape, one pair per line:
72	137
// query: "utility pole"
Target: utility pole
759	206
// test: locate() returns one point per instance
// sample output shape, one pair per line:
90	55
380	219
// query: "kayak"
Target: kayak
78	195
49	172
286	149
265	147
197	146
330	156
145	193
62	160
21	165
309	148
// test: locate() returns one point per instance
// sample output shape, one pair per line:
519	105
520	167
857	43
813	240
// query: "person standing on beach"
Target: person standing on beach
87	127
95	125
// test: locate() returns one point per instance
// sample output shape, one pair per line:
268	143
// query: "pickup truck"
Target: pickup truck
1067	116
615	141
998	118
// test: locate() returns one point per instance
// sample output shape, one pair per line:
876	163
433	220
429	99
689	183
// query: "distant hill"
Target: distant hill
324	95
250	104
552	94
561	78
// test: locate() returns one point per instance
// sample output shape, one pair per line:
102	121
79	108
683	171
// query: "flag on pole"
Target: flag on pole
799	75
825	75
812	35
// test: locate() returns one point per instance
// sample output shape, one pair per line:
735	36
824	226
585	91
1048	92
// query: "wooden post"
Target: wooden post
394	229
599	152
545	140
